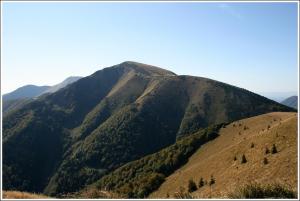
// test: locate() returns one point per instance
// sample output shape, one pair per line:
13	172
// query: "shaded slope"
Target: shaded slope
112	117
217	158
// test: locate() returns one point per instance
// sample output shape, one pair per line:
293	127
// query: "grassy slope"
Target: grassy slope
23	195
217	157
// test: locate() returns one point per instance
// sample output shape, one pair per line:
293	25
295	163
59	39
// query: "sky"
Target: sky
249	45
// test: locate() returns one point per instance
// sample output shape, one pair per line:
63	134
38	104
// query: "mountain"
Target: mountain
291	102
28	91
68	139
23	95
221	158
64	83
278	96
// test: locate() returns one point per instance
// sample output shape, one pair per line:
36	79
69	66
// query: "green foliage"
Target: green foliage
134	180
256	191
192	186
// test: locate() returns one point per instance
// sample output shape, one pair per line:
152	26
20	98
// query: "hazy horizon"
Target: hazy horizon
249	45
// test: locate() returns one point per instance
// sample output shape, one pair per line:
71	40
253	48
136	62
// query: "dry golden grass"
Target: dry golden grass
22	195
217	158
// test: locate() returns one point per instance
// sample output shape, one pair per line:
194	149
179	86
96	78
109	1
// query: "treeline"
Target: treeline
139	178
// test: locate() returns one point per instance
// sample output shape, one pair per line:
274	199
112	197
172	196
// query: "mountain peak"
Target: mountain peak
145	68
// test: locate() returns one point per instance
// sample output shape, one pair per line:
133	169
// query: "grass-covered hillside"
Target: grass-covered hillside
251	158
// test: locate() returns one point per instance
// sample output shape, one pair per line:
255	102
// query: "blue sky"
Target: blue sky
250	45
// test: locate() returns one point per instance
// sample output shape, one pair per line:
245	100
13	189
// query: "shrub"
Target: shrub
201	182
192	186
266	161
263	191
212	180
244	160
252	145
274	149
234	158
267	151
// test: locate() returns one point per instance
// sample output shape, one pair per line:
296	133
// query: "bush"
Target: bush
244	160
212	180
192	186
266	161
252	145
201	182
234	158
267	151
274	149
263	191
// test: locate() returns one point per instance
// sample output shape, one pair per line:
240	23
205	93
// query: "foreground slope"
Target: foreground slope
250	137
65	140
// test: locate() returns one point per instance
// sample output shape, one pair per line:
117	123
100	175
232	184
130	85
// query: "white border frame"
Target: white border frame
154	1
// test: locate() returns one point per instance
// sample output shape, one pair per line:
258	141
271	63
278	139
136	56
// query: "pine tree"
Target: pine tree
201	182
192	186
267	151
244	160
212	180
274	149
266	161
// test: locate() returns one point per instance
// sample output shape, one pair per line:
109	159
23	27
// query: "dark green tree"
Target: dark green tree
212	180
266	161
244	160
201	182
192	186
274	149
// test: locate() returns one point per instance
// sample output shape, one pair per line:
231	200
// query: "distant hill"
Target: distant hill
64	83
68	139
291	102
28	91
278	96
23	95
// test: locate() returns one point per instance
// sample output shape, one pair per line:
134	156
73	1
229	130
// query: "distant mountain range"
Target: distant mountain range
278	96
62	141
24	94
291	102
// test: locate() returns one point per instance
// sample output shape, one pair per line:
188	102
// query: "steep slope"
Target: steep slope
65	140
291	102
28	91
221	158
